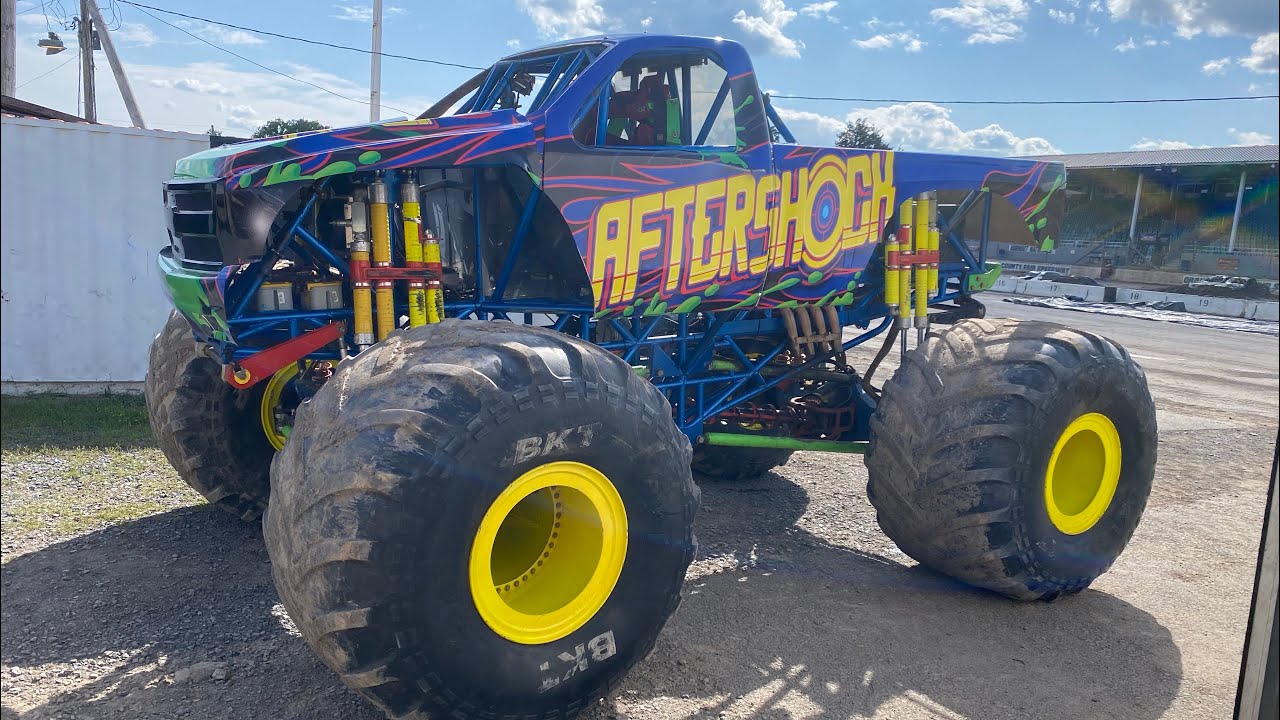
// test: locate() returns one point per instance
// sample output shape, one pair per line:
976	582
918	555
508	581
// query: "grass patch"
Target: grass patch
37	421
73	464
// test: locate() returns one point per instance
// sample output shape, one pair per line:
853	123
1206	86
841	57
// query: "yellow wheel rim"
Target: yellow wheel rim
1083	473
548	552
270	409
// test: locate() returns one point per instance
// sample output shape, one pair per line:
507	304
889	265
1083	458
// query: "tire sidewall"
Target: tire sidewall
1099	385
444	635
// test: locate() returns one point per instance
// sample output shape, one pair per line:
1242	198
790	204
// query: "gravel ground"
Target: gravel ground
137	603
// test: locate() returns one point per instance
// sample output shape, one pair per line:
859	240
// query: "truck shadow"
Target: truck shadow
776	622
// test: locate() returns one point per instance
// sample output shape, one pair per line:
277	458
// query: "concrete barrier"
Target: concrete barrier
1128	295
1045	288
1222	307
1255	310
1005	285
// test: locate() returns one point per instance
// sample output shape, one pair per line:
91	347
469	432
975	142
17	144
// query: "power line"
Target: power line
1131	101
68	62
264	67
321	43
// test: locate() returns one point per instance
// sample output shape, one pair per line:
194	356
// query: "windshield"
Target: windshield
526	84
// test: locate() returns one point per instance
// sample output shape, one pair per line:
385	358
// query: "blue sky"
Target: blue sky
930	49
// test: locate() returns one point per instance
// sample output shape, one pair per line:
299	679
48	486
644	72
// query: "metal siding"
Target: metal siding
81	219
1248	155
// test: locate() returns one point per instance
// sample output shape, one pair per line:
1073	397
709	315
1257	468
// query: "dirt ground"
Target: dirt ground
797	607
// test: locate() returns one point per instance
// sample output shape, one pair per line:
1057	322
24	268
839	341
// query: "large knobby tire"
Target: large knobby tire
383	488
733	463
209	431
961	445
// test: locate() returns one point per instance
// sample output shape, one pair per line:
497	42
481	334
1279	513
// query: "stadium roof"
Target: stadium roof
1249	155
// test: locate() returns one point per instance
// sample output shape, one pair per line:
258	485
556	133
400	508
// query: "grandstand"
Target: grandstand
1200	211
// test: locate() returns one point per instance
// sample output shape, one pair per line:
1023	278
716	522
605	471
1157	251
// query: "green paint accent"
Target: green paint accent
749	301
600	314
185	289
721	365
788	304
783	285
984	281
782	443
726	157
852	285
1047	244
245	180
711	290
369	157
629	311
659	309
844	299
826	297
815	277
688	305
1041	223
342	167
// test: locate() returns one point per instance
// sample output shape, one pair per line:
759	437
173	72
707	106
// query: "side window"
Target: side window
664	99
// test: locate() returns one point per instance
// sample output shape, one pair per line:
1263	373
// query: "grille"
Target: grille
191	209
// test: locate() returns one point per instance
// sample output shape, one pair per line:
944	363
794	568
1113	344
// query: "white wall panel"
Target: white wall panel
81	220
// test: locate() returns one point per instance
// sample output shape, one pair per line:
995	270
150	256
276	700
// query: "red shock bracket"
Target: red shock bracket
261	365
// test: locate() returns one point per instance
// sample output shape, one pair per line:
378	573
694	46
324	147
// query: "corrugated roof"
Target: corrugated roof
1249	155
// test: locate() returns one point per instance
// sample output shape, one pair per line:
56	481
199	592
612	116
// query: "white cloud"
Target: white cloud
1063	16
827	126
906	40
359	12
876	23
1264	57
187	96
1215	67
194	85
1249	137
1147	42
1149	144
769	24
560	19
919	127
646	23
221	35
1191	17
988	22
131	33
513	43
821	10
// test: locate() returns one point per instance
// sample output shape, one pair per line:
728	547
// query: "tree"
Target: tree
280	126
861	134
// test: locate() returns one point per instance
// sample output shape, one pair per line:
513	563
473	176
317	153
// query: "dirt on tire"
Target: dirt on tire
404	450
961	440
208	430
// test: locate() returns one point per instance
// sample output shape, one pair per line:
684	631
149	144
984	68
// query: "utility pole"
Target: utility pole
122	80
8	72
86	63
375	63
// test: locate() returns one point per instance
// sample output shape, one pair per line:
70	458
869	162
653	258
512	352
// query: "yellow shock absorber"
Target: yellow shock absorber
891	248
412	214
361	296
935	239
380	226
434	293
907	244
921	271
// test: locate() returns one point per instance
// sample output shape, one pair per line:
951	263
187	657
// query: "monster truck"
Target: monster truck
466	362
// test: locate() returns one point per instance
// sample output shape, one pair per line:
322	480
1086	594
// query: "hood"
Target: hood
444	142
